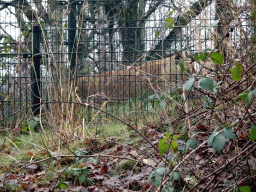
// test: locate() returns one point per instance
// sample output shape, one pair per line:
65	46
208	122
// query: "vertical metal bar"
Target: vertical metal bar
35	71
72	36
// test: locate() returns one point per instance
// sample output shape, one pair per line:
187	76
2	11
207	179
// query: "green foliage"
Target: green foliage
211	137
173	146
162	103
63	185
208	102
243	189
189	83
81	173
237	72
17	142
182	65
162	148
247	96
201	56
30	125
169	21
218	140
127	164
157	34
253	15
168	135
207	83
80	152
218	143
161	171
168	142
157	176
6	45
253	133
229	133
4	79
217	58
175	176
190	143
26	33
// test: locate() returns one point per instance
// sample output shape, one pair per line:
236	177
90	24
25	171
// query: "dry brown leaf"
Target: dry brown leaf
30	154
104	168
119	148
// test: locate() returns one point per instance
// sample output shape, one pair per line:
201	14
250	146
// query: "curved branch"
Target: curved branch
182	21
149	12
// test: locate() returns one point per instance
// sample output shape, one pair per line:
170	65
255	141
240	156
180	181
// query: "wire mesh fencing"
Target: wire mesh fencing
117	54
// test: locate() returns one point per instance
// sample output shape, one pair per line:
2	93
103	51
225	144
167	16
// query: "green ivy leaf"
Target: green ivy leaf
243	189
168	135
218	143
157	180
254	92
150	176
229	133
207	83
237	72
246	96
189	83
253	133
211	137
176	137
157	34
217	58
185	136
201	56
173	145
69	171
196	56
175	176
24	127
95	161
161	142
182	65
169	23
63	186
170	13
161	170
87	171
208	102
191	143
162	149
82	177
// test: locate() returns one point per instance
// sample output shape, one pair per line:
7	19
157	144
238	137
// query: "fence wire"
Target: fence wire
113	52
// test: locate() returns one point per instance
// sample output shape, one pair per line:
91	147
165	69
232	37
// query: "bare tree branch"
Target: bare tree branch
182	21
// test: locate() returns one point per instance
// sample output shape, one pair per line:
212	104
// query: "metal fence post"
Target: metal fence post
35	71
72	36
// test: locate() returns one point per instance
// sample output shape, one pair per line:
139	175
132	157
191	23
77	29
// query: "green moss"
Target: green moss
126	164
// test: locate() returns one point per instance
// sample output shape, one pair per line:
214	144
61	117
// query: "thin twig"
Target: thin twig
222	167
